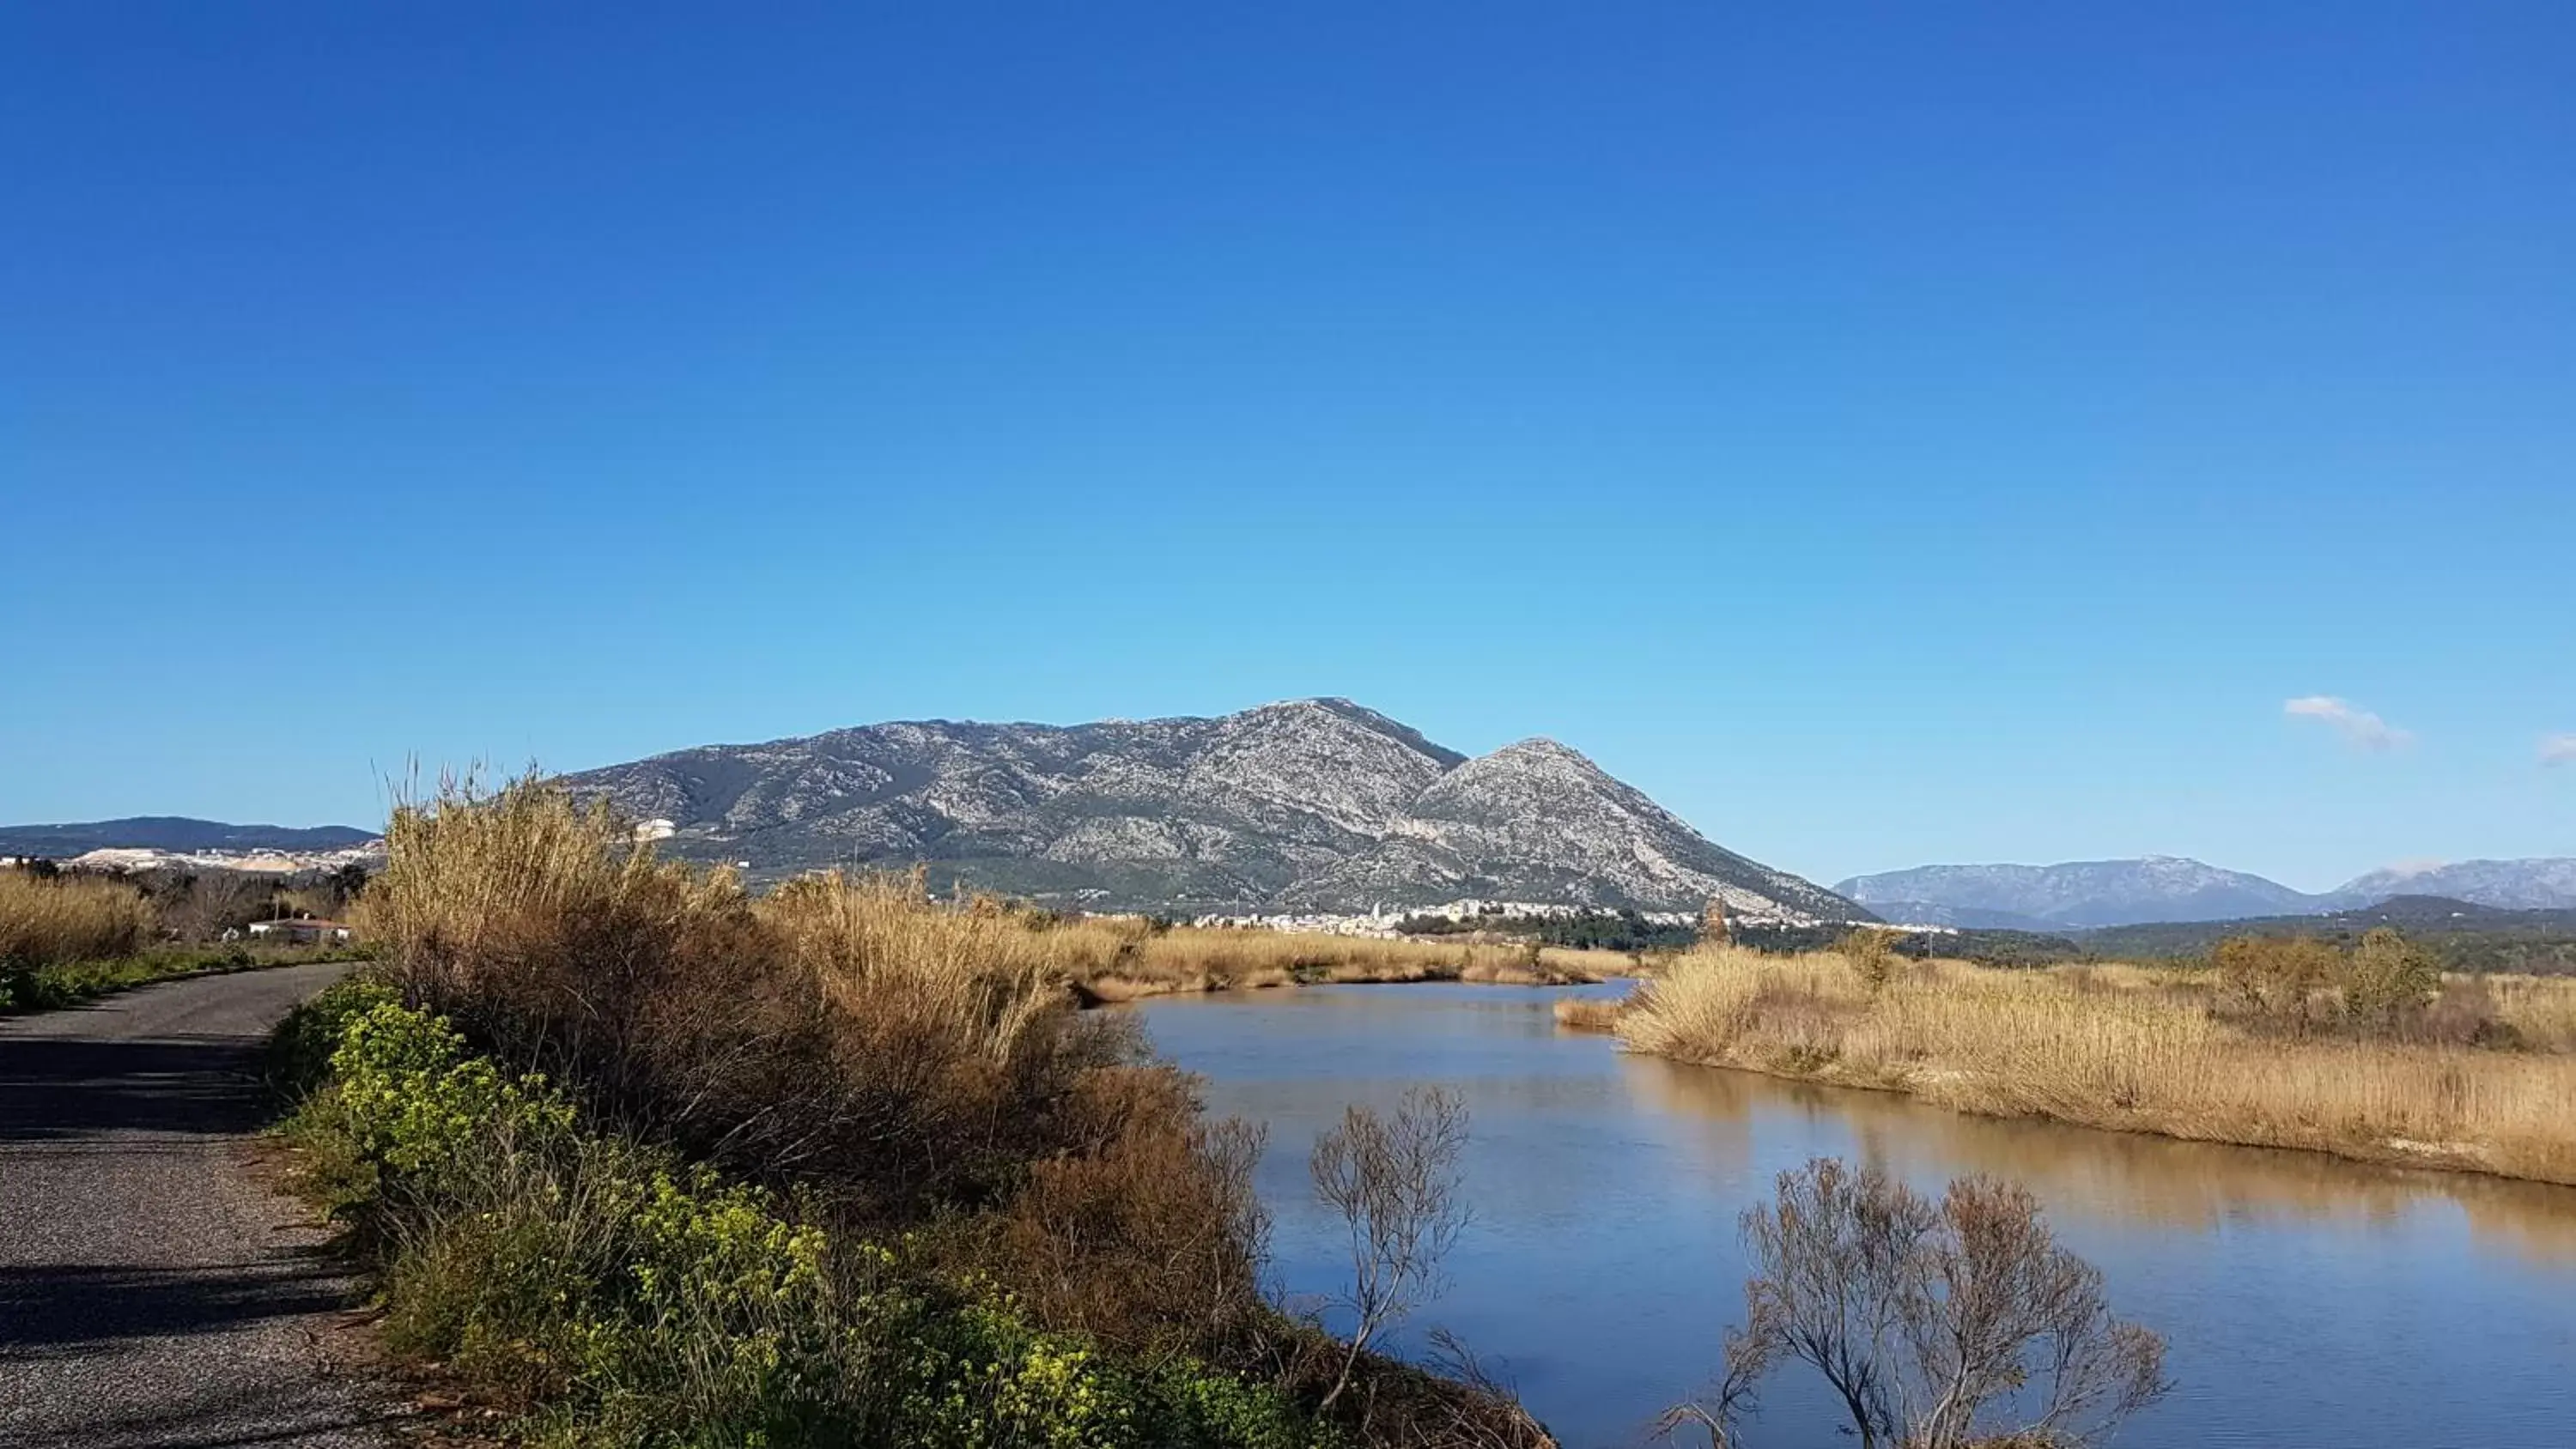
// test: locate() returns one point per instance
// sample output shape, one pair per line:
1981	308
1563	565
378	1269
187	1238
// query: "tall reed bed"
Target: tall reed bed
47	921
2126	1048
897	1069
1121	958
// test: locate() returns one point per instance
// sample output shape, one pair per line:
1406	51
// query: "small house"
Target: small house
300	933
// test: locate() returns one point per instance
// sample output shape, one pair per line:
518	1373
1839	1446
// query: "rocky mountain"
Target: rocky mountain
1312	805
176	834
2078	893
2543	884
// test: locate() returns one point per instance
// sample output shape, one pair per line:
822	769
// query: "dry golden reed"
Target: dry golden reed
1589	1013
2128	1048
45	922
1120	958
482	881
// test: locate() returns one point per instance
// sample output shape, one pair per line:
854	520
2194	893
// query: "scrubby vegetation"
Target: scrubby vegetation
621	1295
2368	1052
653	1161
2461	937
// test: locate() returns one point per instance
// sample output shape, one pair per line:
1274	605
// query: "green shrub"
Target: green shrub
299	1054
415	1101
2388	979
626	1298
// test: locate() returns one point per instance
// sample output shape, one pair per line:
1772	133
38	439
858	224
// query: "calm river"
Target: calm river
2307	1301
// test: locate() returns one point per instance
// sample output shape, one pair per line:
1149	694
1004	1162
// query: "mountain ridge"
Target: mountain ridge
1315	805
176	833
2160	889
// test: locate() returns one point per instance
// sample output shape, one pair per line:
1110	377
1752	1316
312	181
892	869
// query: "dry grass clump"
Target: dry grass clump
2128	1048
1586	1013
2540	1009
46	921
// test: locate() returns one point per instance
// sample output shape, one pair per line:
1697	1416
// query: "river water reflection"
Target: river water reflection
2308	1301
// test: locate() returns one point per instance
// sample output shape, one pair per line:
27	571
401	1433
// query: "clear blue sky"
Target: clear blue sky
1885	434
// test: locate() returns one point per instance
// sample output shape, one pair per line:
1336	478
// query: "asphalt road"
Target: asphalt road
152	1291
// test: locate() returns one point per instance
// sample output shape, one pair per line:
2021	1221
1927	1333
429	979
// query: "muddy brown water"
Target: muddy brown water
2307	1300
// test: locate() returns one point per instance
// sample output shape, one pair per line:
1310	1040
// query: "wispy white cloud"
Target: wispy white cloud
2362	729
2558	750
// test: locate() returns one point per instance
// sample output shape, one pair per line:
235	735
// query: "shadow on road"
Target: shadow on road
62	1088
47	1308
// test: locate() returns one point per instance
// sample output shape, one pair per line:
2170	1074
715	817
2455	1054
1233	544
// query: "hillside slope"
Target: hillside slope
1309	805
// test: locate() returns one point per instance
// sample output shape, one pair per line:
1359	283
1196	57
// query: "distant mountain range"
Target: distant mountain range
176	834
1314	805
2541	884
2097	893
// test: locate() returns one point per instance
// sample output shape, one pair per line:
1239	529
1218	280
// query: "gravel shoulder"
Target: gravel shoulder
154	1291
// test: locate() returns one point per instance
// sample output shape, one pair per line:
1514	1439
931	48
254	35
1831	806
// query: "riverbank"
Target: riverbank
1125	959
2131	1049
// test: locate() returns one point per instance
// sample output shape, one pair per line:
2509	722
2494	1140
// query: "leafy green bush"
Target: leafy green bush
299	1054
2388	979
624	1297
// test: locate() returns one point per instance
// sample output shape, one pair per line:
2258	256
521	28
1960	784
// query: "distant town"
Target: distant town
135	860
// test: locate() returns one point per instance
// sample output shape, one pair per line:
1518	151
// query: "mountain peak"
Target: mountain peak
1540	747
1320	804
1333	711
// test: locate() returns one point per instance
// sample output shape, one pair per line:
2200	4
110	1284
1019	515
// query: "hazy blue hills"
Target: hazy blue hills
2075	894
2091	894
173	833
2543	884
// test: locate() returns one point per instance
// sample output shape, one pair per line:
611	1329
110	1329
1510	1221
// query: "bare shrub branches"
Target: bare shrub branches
1394	1180
1937	1326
